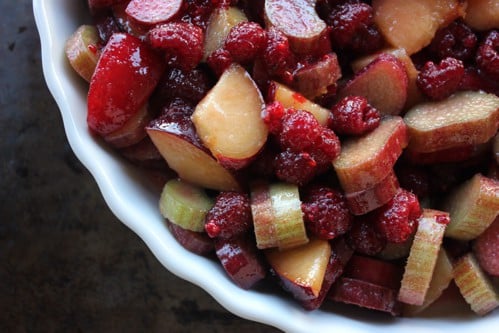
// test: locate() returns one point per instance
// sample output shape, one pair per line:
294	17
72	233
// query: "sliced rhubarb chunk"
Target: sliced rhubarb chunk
82	51
485	248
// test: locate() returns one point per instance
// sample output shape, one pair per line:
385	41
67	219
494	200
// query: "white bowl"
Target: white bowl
130	199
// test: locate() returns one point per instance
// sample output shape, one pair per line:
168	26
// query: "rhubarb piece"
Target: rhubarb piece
240	259
196	242
474	285
362	202
228	119
127	23
144	153
366	295
365	161
219	25
298	20
375	271
394	251
465	118
82	51
473	206
134	69
449	155
485	249
176	140
301	269
412	24
132	132
153	11
277	215
292	99
482	14
383	82
441	279
184	204
314	79
423	257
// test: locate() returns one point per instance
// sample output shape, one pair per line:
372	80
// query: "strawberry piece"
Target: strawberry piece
125	77
153	12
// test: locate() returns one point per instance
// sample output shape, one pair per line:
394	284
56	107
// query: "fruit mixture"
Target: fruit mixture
344	150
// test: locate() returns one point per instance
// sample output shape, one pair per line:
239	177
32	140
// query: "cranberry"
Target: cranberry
325	212
364	238
278	57
296	168
230	216
219	60
487	57
245	42
456	40
182	43
354	116
442	80
396	221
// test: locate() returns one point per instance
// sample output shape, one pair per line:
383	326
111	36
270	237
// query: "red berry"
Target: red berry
245	42
354	116
295	168
278	57
182	43
363	236
487	57
300	131
190	86
272	116
219	60
456	40
325	212
396	221
326	148
230	216
442	80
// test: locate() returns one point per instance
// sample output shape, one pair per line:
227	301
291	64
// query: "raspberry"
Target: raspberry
182	43
245	42
475	79
354	116
364	238
295	168
229	217
278	57
456	40
396	221
272	116
198	12
325	212
326	148
442	80
300	131
487	57
219	60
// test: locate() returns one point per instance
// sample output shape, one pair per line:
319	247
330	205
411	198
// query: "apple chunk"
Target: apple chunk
228	119
465	118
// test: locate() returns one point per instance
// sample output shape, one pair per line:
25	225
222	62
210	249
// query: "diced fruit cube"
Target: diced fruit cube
423	257
314	79
228	119
474	285
465	118
473	206
184	204
82	51
486	247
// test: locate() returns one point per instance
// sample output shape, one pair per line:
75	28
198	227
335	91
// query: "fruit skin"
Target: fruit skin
485	249
134	70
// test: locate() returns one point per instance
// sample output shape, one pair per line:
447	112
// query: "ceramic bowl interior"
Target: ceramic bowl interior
133	200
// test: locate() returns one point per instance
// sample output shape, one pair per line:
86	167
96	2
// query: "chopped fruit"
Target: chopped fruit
153	12
132	132
364	238
181	42
366	295
197	242
365	161
449	155
353	116
134	69
474	285
298	21
277	215
383	82
439	81
465	118
279	60
230	216
362	202
228	120
325	212
441	279
485	249
394	251
482	14
487	57
375	271
291	99
126	23
301	269
412	24
245	42
473	206
184	204
240	259
221	21
397	220
423	257
190	87
82	51
176	139
314	79
456	40
144	153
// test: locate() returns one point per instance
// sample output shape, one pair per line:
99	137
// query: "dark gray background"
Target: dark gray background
66	263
